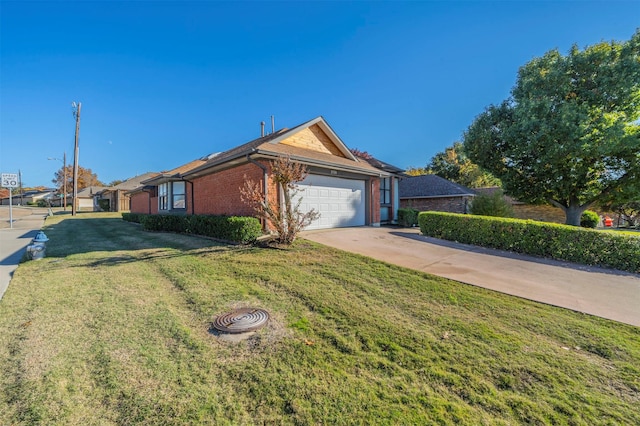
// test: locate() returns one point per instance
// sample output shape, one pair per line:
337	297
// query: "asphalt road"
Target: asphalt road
27	222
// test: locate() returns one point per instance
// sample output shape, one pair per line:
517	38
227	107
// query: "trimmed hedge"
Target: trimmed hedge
550	240
132	217
408	217
230	228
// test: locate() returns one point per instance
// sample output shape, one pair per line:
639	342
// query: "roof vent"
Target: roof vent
241	320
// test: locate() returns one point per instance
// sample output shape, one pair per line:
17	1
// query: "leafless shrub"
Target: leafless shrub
287	219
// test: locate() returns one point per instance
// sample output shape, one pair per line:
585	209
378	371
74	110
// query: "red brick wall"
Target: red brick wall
374	217
443	204
219	193
140	203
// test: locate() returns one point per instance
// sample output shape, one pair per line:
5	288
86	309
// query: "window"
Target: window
178	195
385	191
172	196
163	191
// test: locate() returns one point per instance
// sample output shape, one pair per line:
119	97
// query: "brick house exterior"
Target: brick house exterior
342	187
439	204
433	193
119	195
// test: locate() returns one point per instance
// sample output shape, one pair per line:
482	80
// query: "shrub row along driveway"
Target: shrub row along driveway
608	294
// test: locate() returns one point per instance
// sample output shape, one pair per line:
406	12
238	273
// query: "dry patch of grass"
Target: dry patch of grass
113	327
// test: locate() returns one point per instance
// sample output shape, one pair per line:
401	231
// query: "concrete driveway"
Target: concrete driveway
605	293
27	222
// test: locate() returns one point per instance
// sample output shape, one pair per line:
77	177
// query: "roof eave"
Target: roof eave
413	197
324	164
158	180
320	121
205	168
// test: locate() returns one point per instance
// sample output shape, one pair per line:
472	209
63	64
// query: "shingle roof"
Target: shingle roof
134	182
268	146
379	164
176	173
90	191
427	186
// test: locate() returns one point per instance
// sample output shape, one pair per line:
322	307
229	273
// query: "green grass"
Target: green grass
113	327
625	231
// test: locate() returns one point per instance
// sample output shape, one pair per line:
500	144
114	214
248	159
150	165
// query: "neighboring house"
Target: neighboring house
165	192
540	212
88	198
433	193
343	188
118	195
31	197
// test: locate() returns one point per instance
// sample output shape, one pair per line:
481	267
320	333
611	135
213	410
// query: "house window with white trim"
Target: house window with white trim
163	196
178	195
172	196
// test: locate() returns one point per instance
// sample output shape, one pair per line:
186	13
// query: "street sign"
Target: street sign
10	180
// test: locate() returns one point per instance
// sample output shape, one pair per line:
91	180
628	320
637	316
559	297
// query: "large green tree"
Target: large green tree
454	165
569	134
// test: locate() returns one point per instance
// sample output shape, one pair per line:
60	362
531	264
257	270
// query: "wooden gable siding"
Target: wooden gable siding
314	139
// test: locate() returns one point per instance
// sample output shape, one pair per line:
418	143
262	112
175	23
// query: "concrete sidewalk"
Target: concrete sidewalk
27	223
605	293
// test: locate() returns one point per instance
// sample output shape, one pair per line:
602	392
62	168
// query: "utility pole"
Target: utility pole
64	178
64	183
76	113
20	183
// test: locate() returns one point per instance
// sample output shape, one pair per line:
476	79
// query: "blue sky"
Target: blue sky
165	82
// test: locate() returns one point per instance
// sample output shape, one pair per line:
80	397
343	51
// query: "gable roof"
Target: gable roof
431	186
90	191
135	181
272	146
379	164
130	184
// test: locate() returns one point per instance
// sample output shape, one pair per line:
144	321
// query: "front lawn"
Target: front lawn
113	327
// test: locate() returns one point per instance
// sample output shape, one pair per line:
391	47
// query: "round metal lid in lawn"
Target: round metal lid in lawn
241	320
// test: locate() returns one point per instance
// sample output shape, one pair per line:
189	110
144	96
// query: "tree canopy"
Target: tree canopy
569	134
86	178
454	165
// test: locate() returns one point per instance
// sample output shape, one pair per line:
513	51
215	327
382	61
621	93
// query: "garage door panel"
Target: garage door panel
341	202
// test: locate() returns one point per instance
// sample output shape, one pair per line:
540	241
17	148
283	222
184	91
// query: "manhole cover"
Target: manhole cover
241	320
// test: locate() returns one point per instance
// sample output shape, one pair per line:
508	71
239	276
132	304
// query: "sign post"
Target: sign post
10	180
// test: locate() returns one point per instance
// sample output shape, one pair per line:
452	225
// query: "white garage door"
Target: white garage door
341	202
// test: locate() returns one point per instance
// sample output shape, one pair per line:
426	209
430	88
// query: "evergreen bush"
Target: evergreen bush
491	205
408	217
589	219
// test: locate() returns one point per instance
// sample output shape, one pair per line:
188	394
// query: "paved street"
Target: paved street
27	222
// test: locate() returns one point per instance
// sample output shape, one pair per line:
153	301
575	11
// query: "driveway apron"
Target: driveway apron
601	292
